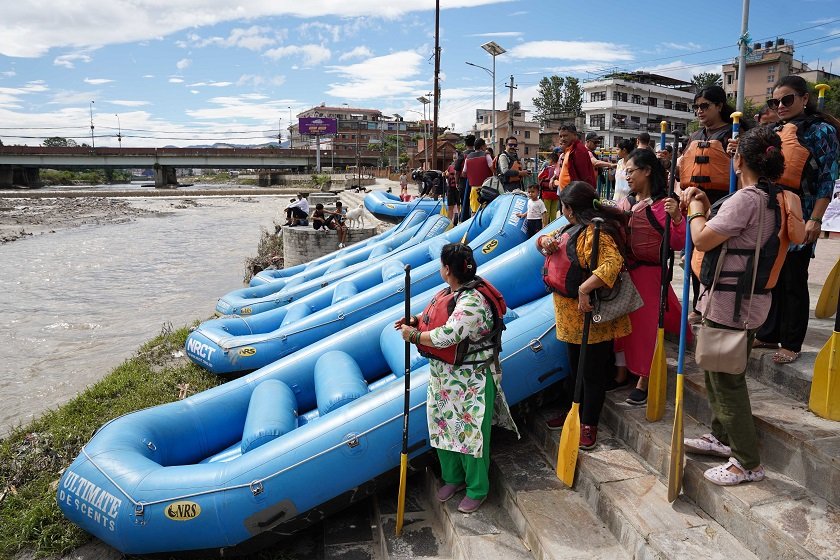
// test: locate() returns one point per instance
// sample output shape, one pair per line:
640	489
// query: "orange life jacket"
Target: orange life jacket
801	168
788	227
440	309
705	165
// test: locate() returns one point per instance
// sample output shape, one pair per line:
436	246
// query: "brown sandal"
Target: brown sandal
785	356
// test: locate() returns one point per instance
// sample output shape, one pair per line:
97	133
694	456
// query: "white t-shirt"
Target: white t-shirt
535	209
622	187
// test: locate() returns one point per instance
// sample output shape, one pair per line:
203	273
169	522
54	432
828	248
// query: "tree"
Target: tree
704	79
58	142
558	96
832	98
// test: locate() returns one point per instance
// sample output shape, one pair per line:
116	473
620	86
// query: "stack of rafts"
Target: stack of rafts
320	423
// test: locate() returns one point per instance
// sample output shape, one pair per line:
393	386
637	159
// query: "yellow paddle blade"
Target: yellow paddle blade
675	467
825	385
658	380
827	304
567	453
401	495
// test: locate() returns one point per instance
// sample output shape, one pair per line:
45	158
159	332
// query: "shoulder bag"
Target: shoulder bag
621	300
724	349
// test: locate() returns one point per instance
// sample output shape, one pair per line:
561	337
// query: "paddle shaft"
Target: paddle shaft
587	317
666	237
406	408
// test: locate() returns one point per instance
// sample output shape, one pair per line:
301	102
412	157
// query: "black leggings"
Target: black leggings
787	320
599	368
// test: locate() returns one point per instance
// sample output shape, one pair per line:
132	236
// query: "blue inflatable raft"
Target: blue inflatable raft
237	344
280	448
257	299
389	208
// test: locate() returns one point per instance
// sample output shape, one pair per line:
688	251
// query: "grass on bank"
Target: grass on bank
33	456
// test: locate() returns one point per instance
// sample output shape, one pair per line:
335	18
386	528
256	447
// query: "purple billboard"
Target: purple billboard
315	126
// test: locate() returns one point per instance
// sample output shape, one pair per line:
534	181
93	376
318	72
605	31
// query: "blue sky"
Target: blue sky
196	71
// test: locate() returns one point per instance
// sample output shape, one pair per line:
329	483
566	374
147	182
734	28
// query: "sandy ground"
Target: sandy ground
21	217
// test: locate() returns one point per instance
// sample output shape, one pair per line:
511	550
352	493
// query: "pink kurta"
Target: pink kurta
638	347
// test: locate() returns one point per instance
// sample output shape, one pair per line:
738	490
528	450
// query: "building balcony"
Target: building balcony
637	109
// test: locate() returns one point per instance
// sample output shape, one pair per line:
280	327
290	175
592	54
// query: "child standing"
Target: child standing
537	214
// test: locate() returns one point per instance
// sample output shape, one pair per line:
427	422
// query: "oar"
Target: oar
736	126
827	304
821	89
663	126
570	436
658	380
825	385
675	467
406	408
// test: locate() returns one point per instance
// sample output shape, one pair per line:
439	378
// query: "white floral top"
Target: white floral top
455	404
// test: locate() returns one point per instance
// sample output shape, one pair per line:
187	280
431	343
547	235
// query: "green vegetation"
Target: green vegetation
33	457
87	177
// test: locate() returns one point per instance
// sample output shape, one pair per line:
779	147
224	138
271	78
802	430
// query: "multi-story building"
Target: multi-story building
363	132
767	64
621	105
527	132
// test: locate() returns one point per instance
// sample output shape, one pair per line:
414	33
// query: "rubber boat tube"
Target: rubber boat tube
240	344
415	218
175	477
389	208
253	300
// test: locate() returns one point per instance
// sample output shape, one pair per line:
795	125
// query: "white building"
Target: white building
621	105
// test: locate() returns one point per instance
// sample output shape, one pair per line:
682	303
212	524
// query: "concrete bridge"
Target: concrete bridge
20	165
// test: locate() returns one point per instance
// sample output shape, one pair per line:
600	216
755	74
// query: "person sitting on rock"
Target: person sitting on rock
336	220
297	212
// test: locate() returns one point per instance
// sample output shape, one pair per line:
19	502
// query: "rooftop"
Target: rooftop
644	78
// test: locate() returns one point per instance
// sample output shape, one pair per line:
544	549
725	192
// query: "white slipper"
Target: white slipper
722	476
707	444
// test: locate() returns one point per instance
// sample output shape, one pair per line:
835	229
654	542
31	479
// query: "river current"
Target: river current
80	301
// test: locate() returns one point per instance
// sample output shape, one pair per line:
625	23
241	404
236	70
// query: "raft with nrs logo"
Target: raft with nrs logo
182	511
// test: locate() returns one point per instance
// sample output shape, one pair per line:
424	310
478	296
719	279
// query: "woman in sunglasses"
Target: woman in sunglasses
705	163
817	132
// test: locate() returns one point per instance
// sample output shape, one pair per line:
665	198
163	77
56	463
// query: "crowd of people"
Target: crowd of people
790	147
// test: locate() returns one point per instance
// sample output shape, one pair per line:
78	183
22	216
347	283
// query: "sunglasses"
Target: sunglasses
512	145
785	101
704	106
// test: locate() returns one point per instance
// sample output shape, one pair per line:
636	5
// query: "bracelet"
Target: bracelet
414	337
695	215
812	219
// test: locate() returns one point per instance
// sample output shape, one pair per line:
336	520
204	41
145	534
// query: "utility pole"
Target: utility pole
510	108
437	85
92	141
279	132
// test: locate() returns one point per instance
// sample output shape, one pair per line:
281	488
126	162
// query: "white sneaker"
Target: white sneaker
707	444
341	245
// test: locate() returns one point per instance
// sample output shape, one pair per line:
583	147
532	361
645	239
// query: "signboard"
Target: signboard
315	126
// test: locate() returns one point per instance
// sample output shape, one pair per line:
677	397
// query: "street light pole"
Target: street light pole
492	83
290	126
92	142
119	130
424	100
398	119
494	50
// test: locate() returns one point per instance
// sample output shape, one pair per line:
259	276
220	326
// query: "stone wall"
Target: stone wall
302	243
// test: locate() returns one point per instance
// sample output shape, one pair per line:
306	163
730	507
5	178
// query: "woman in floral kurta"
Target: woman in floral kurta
458	395
579	204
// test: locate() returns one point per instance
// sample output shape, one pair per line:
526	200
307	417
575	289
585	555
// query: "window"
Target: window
729	79
771	69
635	119
680	106
597	121
652	101
619	96
598	96
771	78
769	91
527	135
668	104
637	99
526	150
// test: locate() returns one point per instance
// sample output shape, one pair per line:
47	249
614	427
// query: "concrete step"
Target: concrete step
793	441
488	533
631	500
777	518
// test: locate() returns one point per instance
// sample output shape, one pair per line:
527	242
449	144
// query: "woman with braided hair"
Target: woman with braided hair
460	333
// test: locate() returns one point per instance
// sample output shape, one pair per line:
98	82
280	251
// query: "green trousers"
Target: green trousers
457	468
732	421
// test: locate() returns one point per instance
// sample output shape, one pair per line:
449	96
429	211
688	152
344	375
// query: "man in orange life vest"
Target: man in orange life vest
577	165
477	168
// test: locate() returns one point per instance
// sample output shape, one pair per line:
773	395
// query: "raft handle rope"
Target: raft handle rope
535	345
258	483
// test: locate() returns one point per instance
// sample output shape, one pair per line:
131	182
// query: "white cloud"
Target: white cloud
571	50
382	76
254	38
320	31
498	34
211	84
689	46
357	52
70	60
8	74
183	63
148	75
175	80
28	30
682	70
313	55
258	80
237	108
129	103
10	97
97	81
